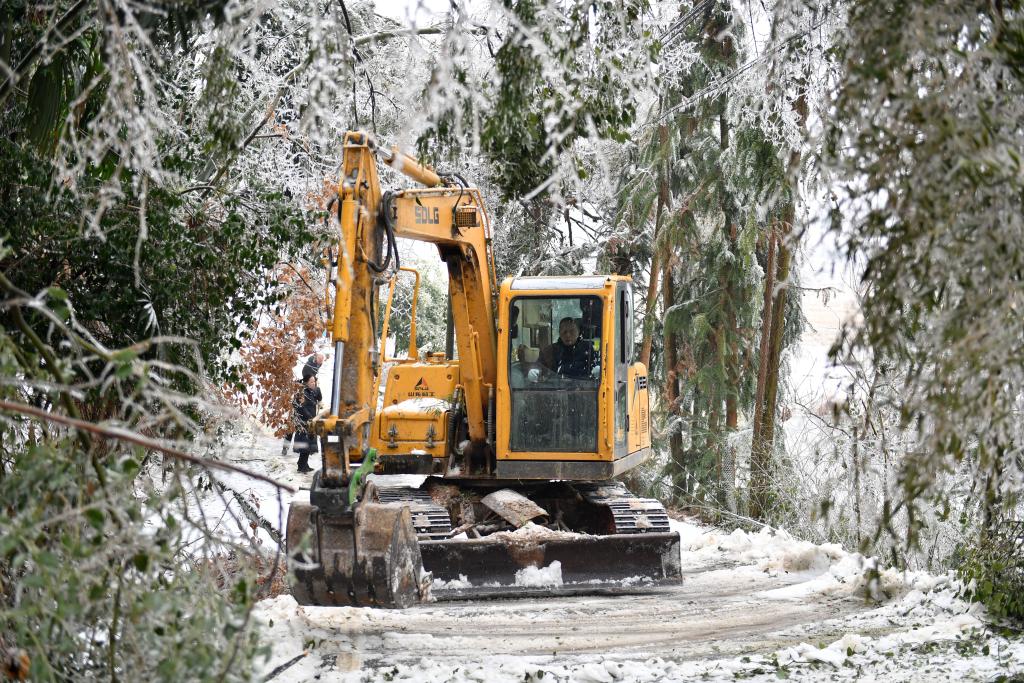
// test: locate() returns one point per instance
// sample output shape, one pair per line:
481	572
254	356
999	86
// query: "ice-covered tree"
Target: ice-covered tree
709	188
925	146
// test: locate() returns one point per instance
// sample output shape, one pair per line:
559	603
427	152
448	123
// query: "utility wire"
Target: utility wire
673	32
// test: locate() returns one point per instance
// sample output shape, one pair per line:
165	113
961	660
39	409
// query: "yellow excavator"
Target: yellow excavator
520	425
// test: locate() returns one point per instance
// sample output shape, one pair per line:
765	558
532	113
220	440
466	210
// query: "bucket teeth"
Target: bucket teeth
365	557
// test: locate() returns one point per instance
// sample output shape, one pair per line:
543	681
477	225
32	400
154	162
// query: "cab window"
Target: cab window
554	358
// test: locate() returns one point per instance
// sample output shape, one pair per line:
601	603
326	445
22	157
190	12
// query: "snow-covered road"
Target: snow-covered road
716	613
752	605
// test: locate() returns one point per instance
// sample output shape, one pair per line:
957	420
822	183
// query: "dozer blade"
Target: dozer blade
364	557
586	564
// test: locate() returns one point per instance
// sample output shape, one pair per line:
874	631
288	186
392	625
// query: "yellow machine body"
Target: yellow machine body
414	418
528	417
413	421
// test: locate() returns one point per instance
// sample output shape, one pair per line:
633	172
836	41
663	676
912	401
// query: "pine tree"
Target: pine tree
711	190
711	268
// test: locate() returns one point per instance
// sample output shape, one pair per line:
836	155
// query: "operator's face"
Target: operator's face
568	333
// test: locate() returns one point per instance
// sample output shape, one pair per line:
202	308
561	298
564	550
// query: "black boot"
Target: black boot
304	463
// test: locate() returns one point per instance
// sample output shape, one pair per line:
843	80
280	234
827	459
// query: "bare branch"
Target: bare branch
121	434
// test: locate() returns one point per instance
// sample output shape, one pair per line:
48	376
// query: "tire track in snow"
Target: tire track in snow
710	615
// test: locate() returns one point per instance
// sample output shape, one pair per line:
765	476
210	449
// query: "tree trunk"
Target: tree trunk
671	361
758	452
765	437
652	281
714	441
651	301
729	345
767	433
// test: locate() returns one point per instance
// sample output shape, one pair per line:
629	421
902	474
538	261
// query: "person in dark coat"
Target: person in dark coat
305	408
570	355
310	369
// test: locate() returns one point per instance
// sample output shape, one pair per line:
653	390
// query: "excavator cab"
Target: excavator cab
572	404
554	374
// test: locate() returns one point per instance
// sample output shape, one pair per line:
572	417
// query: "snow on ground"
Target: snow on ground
752	605
758	606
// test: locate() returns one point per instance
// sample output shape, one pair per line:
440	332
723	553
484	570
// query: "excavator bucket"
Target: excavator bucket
365	556
566	565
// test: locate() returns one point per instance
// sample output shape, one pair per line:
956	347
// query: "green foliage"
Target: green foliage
563	74
81	563
993	571
127	278
224	129
174	269
534	121
106	568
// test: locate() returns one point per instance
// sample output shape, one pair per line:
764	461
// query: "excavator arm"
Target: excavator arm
345	551
453	218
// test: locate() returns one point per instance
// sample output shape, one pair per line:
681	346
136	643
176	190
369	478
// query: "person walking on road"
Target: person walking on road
312	366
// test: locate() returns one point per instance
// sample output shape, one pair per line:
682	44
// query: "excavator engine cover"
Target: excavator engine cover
366	556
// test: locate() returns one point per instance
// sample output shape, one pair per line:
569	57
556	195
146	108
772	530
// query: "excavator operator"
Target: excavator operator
570	356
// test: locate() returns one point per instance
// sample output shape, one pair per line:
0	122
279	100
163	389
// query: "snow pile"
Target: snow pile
828	568
835	653
454	584
772	550
540	576
629	581
529	533
844	650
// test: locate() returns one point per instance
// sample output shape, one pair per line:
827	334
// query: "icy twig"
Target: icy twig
137	439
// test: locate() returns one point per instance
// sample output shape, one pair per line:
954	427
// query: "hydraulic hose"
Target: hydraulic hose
490	416
391	249
454	418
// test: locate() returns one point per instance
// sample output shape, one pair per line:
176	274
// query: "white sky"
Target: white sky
418	12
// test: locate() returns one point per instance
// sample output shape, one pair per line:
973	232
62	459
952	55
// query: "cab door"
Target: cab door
622	348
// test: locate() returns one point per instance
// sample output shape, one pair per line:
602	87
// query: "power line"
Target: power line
714	87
